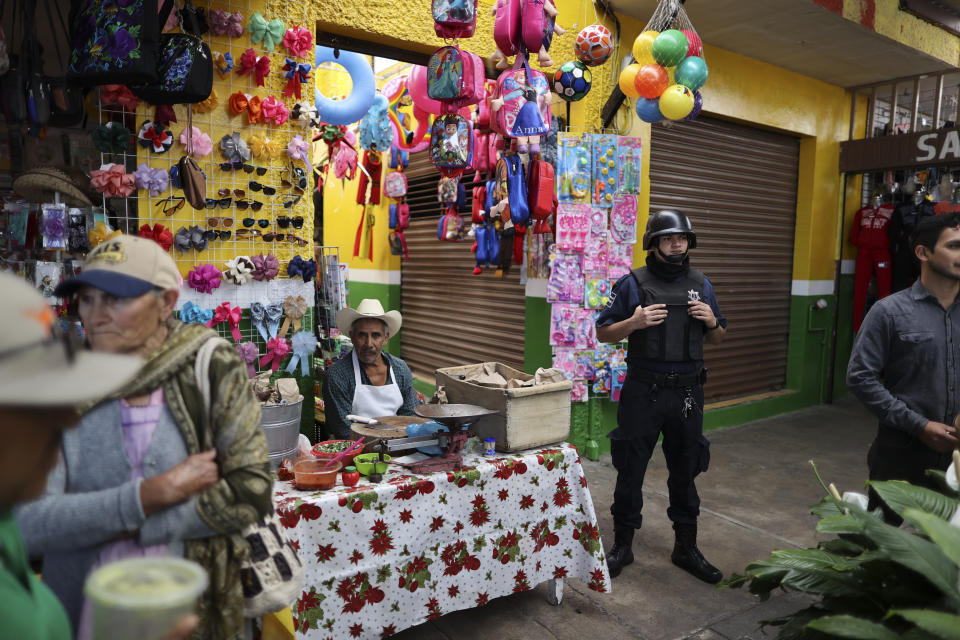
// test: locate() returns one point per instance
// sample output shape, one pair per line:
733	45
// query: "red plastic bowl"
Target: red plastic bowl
345	461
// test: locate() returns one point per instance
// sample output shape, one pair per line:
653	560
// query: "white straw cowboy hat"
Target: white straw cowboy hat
372	309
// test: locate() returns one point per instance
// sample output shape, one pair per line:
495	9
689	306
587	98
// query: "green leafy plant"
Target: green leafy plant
873	580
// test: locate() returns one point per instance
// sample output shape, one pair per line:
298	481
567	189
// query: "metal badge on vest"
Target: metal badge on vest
680	337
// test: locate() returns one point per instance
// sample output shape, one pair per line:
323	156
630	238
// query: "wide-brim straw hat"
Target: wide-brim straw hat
369	308
39	185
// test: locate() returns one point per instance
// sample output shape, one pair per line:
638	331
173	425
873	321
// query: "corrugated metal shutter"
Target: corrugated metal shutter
450	316
739	186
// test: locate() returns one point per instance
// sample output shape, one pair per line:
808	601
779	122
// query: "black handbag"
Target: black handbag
184	66
116	43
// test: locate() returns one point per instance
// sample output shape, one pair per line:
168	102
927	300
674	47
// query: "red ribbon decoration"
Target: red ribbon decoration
227	313
158	233
157	136
277	350
259	66
164	115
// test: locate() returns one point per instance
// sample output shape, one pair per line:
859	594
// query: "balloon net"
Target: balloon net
670	14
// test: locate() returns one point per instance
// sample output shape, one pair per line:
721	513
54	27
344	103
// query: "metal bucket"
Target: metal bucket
281	424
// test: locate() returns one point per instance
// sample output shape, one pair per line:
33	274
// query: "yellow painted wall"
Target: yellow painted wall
886	18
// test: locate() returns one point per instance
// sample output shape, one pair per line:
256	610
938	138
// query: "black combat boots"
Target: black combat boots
687	556
622	552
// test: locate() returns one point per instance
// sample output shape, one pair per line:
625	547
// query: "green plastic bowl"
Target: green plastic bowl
365	463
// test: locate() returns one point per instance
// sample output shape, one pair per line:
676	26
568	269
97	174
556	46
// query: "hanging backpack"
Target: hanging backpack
451	142
541	195
395	185
532	18
519	87
399	159
454	18
117	43
447	190
506	26
479	198
483	107
516	190
450	226
455	77
480	157
403	216
184	65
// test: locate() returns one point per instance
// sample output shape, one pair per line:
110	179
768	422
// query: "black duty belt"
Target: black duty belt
668	379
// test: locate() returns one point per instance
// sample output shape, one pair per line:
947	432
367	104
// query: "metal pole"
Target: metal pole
916	105
871	109
937	99
835	321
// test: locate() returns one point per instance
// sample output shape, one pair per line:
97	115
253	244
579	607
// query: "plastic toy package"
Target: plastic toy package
565	325
601	381
618	375
566	278
573	226
623	218
617	354
538	258
629	160
586	330
584	364
580	391
574	172
565	359
595	255
605	169
599	220
596	293
619	260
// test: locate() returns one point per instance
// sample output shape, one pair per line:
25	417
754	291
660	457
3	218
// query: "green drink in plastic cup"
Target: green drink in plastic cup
143	598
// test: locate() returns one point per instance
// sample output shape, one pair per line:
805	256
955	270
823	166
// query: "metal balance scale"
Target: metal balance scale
452	416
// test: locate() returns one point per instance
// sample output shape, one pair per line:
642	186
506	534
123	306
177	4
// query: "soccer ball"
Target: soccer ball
572	81
594	45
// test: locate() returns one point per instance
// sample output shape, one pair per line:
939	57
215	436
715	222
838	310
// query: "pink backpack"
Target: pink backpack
532	20
455	77
483	107
395	185
515	86
481	159
454	18
506	26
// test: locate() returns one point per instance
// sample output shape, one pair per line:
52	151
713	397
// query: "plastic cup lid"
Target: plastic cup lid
146	583
349	469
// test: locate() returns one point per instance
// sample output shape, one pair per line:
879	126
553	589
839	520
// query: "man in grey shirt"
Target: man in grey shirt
905	365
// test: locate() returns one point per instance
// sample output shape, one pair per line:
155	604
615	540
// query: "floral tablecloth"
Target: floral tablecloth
385	557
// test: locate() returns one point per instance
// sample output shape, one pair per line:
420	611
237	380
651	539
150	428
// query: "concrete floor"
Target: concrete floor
754	500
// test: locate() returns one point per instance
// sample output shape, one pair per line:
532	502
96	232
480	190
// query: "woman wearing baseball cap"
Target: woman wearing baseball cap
150	470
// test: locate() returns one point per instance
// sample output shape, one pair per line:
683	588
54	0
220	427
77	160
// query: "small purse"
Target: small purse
192	180
272	574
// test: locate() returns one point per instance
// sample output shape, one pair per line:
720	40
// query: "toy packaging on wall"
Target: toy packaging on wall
629	160
580	391
599	220
595	255
584	367
586	330
601	380
618	375
565	359
623	218
566	278
605	170
564	323
573	226
574	168
619	260
596	293
538	258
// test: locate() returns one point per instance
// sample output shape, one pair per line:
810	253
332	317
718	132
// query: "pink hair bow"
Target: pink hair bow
259	66
249	353
277	350
296	74
274	110
199	146
113	181
225	23
226	313
204	278
298	41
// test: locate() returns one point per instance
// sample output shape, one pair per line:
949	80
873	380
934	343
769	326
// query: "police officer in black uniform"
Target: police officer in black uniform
668	310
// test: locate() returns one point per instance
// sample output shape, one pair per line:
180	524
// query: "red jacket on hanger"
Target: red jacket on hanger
871	234
373	165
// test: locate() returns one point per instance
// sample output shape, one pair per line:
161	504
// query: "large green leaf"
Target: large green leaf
940	624
841	546
822	582
943	534
825	508
837	525
851	627
805	558
940	477
900	496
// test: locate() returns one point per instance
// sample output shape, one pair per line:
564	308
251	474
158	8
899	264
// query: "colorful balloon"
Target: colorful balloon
670	47
676	102
643	47
697	106
406	139
649	110
651	81
692	73
628	80
695	47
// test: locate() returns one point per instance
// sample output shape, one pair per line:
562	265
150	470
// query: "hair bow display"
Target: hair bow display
54	227
100	234
298	41
223	62
154	137
296	74
303	344
196	142
119	95
163	114
204	278
274	111
294	309
249	353
254	114
298	148
111	137
265	268
249	62
112	180
224	23
306	269
266	318
158	233
194	314
269	33
237	103
277	350
239	270
234	148
155	181
227	313
263	148
208	105
305	115
190	237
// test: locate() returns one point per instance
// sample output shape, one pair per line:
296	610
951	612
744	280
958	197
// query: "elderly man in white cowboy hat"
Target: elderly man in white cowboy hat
370	382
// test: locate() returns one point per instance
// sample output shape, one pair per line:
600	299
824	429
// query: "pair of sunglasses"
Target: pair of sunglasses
243	205
294	177
225	222
171	205
240	193
289	201
240	165
210	234
249	222
267	191
223	202
284	221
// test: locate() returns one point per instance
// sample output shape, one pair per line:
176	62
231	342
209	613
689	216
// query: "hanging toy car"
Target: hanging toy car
572	81
594	45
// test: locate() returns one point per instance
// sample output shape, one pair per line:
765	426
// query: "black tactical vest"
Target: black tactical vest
680	337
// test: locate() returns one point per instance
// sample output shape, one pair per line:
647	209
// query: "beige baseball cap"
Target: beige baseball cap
126	267
38	367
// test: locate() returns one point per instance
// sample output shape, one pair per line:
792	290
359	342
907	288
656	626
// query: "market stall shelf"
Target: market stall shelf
382	558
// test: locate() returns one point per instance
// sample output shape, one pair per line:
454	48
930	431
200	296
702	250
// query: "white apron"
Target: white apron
372	401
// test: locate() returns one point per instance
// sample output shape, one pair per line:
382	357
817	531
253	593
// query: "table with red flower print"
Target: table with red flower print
381	558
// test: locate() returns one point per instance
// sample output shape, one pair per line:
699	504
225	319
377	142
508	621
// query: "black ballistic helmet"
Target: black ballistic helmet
665	222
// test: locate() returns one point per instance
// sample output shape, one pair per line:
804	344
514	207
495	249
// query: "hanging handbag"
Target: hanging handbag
116	42
184	65
272	574
193	181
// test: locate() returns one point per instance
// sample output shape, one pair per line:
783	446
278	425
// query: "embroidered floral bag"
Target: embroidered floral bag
116	42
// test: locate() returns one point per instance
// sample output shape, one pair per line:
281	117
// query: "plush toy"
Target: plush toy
550	27
514	28
375	128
